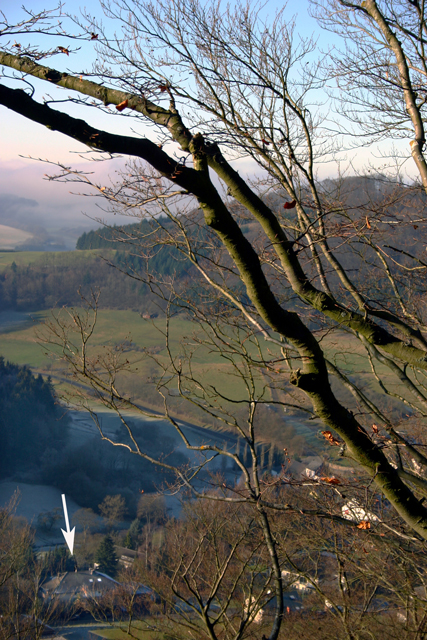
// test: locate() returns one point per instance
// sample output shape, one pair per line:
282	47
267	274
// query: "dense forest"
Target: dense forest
133	252
56	279
30	419
111	237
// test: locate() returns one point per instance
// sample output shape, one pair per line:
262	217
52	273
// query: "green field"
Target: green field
125	336
115	326
19	343
139	634
51	258
22	344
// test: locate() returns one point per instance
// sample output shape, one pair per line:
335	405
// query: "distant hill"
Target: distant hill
11	238
363	215
130	243
104	256
110	237
24	226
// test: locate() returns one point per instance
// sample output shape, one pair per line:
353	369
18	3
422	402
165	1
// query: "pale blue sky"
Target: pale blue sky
20	137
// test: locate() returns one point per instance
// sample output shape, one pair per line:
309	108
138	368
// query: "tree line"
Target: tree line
48	284
60	279
30	419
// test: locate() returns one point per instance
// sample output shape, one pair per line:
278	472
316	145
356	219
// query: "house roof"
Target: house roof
124	551
83	583
308	467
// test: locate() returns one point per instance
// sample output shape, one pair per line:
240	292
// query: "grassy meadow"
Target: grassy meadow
125	335
51	258
137	633
21	344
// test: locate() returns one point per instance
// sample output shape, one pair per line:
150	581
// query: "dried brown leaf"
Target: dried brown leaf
122	105
290	205
330	438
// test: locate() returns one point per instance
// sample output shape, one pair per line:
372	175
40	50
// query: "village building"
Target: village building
308	467
73	587
126	556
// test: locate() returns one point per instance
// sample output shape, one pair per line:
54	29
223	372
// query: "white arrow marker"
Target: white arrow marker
68	535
